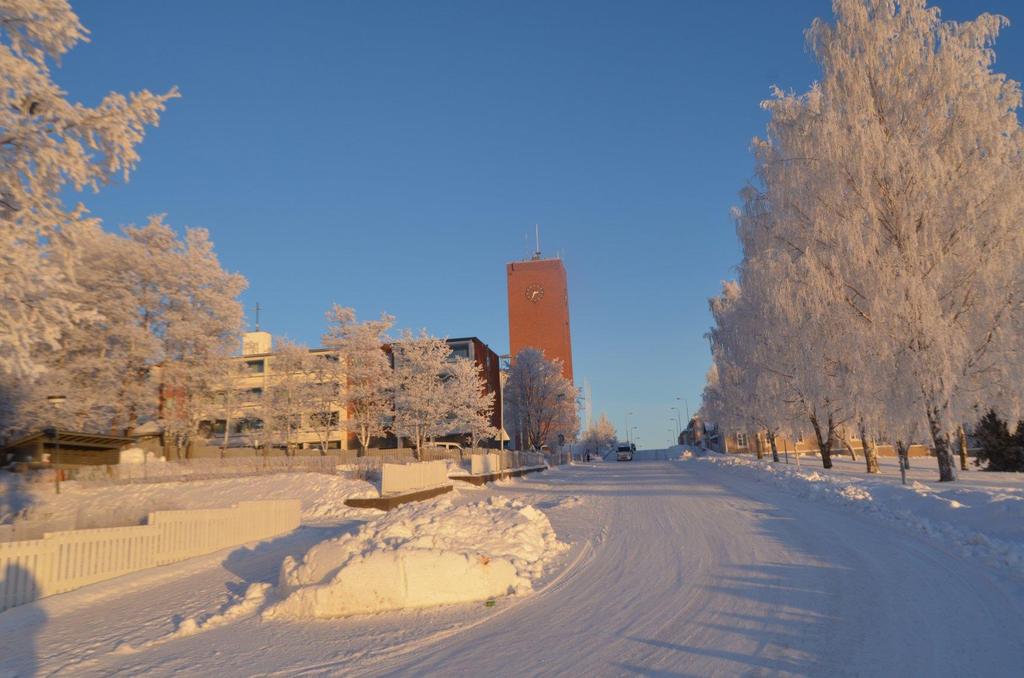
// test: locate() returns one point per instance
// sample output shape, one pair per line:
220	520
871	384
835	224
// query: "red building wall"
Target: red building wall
538	309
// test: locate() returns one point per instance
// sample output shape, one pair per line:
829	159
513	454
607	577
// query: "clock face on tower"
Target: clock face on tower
535	292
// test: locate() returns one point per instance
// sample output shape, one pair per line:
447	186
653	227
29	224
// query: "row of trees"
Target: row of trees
882	276
83	312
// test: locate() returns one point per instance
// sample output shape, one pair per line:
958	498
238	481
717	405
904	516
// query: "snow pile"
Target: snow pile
421	555
35	507
985	522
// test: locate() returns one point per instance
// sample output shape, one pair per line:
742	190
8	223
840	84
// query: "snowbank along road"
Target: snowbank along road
677	568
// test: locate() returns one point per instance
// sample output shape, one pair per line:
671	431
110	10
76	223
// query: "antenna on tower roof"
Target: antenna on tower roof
536	254
257	316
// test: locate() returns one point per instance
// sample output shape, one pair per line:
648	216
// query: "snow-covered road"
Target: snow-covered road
677	568
697	572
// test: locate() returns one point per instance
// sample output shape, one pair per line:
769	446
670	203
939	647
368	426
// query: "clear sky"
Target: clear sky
393	156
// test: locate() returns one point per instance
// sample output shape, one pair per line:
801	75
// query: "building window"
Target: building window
254	366
322	419
460	350
252	393
248	424
741	440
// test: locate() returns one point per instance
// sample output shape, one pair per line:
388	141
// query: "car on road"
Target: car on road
624	452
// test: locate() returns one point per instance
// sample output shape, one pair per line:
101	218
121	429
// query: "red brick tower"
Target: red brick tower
538	309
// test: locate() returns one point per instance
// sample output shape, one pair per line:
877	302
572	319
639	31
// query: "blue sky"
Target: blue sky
393	156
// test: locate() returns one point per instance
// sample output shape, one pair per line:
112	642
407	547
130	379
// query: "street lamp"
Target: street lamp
679	424
686	404
56	402
627	425
502	378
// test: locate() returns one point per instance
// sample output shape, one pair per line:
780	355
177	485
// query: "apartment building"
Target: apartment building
259	368
257	372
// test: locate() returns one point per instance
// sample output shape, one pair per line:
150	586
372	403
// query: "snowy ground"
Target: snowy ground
686	567
981	515
89	505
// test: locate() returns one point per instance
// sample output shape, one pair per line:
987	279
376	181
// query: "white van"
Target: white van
624	452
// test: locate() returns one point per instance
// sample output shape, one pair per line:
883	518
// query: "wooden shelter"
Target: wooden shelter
75	448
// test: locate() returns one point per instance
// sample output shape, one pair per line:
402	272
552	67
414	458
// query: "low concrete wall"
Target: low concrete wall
499	475
63	561
405	478
389	502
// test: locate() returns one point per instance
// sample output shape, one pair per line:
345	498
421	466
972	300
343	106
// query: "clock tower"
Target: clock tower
538	309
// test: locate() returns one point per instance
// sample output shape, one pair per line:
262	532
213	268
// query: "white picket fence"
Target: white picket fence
63	561
404	478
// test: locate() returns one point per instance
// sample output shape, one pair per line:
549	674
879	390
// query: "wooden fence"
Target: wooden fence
63	561
207	469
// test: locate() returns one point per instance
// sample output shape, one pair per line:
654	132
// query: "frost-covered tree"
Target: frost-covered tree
889	210
47	144
421	406
290	392
324	381
161	300
368	390
191	305
541	402
601	436
470	404
102	361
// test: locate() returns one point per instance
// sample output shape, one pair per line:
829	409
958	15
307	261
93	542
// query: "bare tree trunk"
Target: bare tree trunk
962	439
903	456
824	446
775	449
849	447
947	469
758	449
870	450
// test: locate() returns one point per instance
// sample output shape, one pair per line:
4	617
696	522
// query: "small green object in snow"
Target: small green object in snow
489	603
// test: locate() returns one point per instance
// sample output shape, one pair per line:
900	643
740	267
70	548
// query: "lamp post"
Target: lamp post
679	424
686	404
502	378
56	402
627	425
635	438
669	431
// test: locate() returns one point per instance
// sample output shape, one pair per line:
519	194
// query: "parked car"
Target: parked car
624	452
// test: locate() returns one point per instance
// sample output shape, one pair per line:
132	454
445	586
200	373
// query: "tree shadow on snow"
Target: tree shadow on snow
765	617
785	640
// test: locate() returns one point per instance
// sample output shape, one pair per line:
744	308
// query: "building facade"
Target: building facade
488	362
538	309
255	374
257	370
